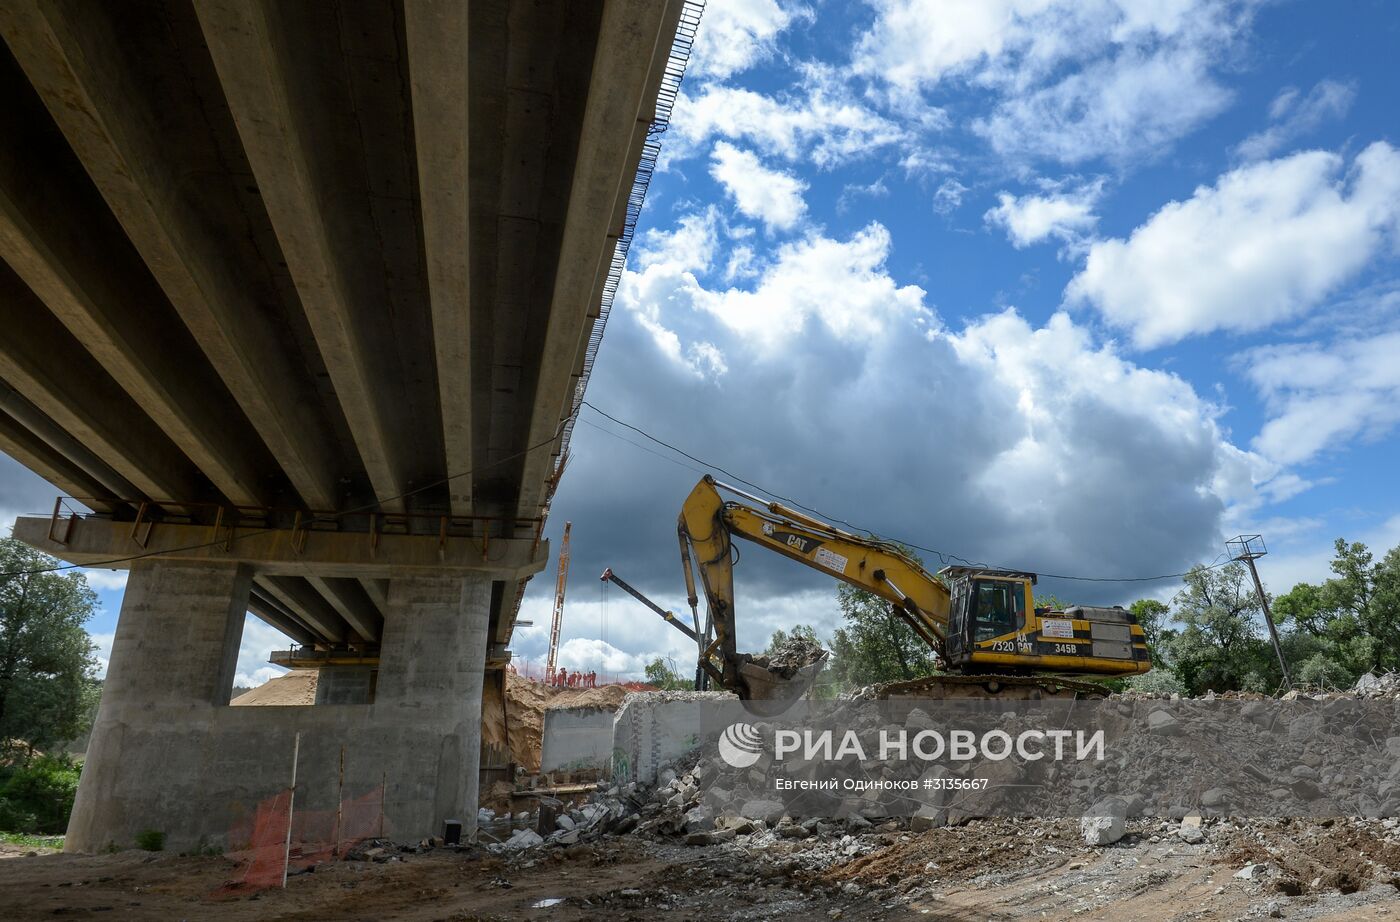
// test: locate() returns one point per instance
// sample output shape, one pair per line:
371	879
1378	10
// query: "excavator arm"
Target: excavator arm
708	523
983	620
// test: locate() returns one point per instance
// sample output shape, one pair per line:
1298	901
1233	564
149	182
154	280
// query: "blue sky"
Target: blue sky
1080	286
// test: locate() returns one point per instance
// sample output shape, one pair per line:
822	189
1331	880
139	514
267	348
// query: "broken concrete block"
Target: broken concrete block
770	811
740	825
699	819
1105	822
928	817
523	839
1162	723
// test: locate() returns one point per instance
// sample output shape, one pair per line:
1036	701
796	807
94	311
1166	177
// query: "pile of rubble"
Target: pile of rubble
684	805
794	654
1384	685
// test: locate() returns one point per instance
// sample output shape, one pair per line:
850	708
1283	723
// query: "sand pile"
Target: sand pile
297	687
520	718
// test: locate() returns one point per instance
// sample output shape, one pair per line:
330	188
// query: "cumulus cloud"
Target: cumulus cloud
1293	116
110	580
22	492
259	639
1003	441
734	35
841	285
1071	79
102	651
772	196
1321	395
1066	213
1266	243
822	122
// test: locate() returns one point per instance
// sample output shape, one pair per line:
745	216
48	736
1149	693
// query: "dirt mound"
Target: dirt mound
519	720
297	687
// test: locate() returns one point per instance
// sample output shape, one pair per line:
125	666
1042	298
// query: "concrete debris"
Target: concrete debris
797	652
1373	685
1190	830
1251	872
1106	822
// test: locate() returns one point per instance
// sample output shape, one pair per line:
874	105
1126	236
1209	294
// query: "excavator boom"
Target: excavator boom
978	620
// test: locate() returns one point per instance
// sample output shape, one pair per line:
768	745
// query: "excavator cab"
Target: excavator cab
985	604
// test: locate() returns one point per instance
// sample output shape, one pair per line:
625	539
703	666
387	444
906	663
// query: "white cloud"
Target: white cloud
840	284
1066	213
772	196
736	34
1320	396
259	639
1294	116
1132	105
110	580
948	197
1105	395
1042	431
102	644
1266	243
824	124
1072	79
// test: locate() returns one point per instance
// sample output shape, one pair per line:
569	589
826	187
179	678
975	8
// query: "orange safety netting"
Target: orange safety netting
317	836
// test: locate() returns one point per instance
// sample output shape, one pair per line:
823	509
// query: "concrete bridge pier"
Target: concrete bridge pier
168	753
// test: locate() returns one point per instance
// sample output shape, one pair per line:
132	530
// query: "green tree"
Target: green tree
1153	616
662	673
875	644
1348	624
1051	601
1218	646
46	662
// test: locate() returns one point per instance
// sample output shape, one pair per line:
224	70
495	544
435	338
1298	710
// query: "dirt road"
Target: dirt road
1002	869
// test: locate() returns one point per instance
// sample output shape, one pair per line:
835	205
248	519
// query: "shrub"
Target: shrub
36	794
1157	682
151	840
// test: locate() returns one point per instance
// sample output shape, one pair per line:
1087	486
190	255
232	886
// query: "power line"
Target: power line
943	556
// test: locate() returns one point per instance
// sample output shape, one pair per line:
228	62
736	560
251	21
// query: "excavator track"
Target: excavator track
1008	687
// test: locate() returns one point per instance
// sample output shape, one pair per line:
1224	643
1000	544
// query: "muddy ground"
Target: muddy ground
988	869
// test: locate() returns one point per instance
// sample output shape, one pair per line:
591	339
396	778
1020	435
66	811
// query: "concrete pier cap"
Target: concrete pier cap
169	754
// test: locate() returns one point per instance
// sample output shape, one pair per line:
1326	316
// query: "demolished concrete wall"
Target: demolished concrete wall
653	728
577	739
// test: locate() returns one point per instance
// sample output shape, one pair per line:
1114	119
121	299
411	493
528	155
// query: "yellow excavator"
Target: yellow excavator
982	622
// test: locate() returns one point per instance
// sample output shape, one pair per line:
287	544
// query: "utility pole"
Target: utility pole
558	605
1250	548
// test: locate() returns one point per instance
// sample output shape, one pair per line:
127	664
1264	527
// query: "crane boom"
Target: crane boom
558	618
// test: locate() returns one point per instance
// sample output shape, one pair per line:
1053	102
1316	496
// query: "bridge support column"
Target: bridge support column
169	754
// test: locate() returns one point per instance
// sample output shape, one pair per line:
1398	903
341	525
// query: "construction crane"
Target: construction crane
558	605
981	621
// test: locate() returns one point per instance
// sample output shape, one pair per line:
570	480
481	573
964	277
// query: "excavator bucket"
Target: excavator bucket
770	689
